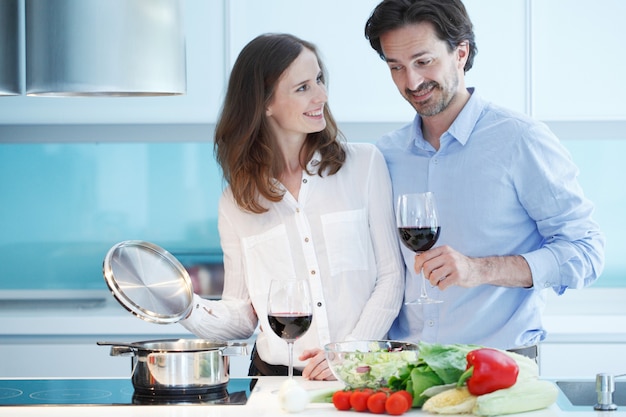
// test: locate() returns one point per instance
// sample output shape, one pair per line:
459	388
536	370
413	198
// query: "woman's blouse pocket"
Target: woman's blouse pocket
267	256
346	234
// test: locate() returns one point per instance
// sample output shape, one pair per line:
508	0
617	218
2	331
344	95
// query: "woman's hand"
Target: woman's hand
317	367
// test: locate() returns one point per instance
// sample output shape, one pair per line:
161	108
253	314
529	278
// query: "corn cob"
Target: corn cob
451	401
525	395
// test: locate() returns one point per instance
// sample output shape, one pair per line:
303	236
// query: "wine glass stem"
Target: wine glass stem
290	347
423	290
423	294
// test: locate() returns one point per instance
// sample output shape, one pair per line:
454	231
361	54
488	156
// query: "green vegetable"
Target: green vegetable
436	364
527	367
441	366
323	395
526	395
371	369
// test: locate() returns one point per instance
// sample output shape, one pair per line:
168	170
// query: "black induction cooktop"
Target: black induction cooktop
111	391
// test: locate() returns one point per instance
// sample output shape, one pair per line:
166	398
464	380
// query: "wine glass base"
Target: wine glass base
421	301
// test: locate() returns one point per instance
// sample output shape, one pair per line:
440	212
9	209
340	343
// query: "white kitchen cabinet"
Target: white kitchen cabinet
67	358
63	360
204	30
577	61
586	333
61	341
359	84
500	70
581	360
554	59
360	87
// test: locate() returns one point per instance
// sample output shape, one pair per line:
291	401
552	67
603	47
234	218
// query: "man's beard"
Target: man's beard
434	105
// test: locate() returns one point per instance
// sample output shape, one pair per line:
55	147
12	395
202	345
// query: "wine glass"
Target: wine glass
289	311
418	226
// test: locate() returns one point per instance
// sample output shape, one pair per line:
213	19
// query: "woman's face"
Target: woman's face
297	107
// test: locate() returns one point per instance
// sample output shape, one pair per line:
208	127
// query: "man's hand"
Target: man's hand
444	266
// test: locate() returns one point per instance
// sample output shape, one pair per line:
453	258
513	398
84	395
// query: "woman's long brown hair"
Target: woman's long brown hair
244	146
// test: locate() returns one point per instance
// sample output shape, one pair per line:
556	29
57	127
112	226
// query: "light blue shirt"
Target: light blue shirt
504	185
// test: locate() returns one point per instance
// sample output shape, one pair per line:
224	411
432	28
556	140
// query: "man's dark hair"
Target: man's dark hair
449	17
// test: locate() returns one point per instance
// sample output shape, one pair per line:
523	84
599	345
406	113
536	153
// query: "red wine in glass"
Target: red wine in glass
419	239
290	326
289	311
418	228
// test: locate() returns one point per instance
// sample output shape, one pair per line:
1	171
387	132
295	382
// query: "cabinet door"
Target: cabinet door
578	64
204	39
64	360
580	360
360	86
361	89
500	72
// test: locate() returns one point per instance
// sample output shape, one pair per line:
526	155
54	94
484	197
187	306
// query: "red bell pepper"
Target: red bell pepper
488	370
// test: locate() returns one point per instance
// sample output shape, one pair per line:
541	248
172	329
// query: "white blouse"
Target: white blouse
341	234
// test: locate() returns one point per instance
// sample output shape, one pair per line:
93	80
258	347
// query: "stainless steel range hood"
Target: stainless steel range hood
104	48
9	48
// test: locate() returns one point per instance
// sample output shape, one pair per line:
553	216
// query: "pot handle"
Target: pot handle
234	349
119	348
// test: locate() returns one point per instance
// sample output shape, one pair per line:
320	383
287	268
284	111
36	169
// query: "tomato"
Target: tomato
341	400
408	396
397	404
358	399
376	402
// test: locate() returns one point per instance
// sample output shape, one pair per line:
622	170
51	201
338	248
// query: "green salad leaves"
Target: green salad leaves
436	365
370	369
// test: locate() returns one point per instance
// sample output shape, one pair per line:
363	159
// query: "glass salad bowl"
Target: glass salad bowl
369	363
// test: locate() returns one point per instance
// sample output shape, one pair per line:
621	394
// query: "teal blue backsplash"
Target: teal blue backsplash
64	205
602	176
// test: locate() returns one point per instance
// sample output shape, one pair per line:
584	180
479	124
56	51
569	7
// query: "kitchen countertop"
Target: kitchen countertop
262	402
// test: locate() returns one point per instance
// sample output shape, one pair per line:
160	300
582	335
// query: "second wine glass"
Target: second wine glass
418	226
289	311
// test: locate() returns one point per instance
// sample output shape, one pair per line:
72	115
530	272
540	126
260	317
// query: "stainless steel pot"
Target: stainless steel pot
178	366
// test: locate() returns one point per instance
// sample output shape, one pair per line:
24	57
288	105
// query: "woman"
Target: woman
300	202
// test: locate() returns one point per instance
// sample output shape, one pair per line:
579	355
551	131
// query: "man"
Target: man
514	220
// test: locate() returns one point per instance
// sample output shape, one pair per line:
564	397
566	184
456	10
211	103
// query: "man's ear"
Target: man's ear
462	52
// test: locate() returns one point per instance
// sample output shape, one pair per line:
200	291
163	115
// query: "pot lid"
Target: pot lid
148	281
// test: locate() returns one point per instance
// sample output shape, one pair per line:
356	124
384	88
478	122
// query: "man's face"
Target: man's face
426	73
